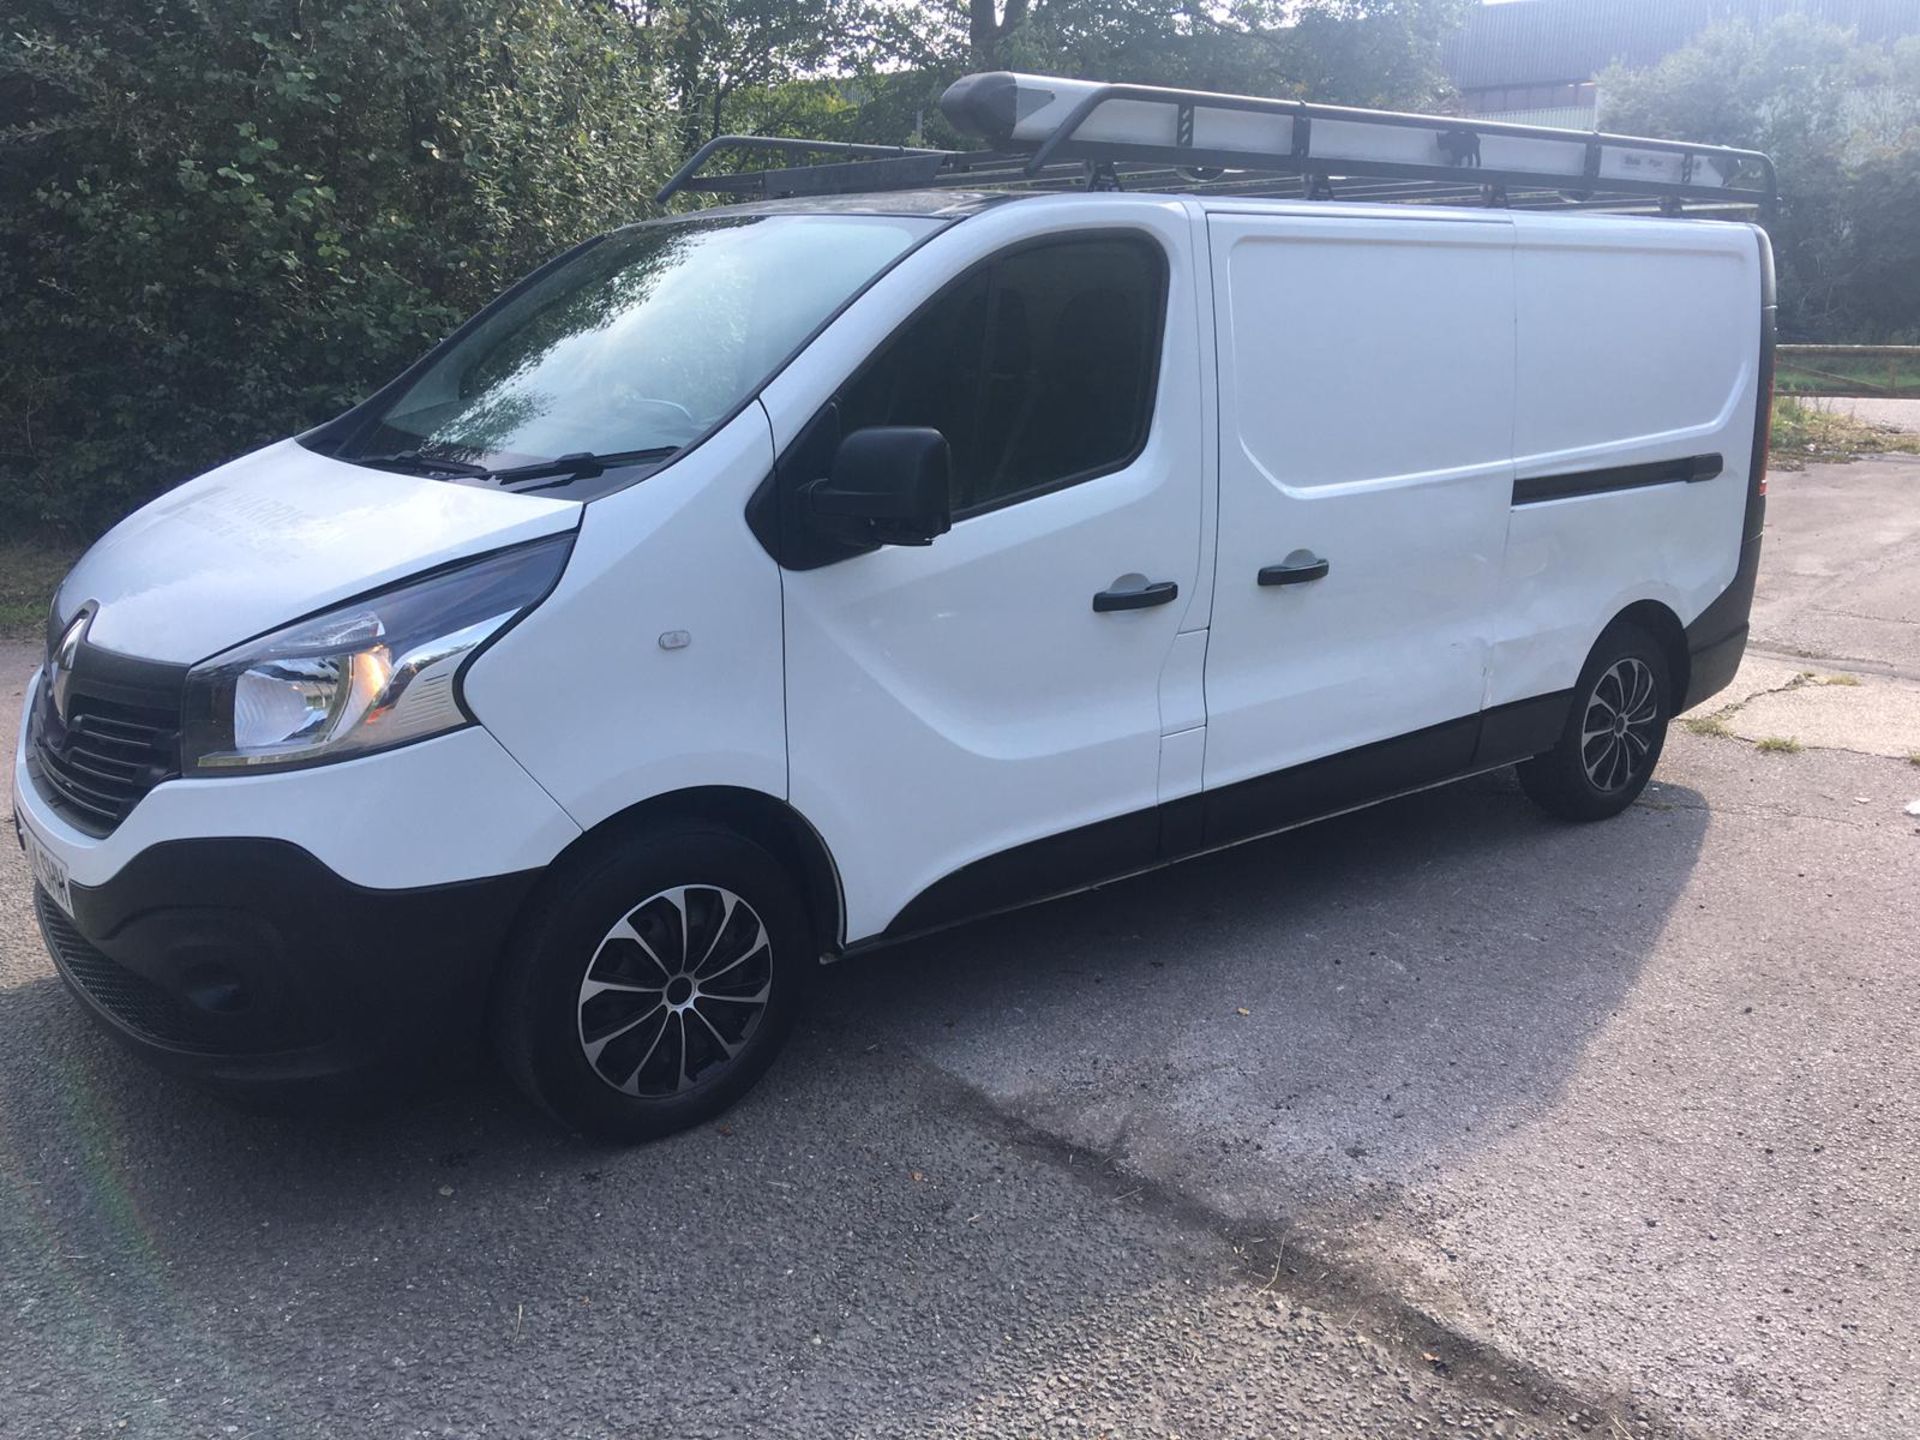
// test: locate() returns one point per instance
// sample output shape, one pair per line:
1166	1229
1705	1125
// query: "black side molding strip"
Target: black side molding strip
1688	469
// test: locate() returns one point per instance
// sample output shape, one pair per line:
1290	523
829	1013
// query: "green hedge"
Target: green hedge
224	220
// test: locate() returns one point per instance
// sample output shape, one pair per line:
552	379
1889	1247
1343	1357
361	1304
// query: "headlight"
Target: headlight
371	674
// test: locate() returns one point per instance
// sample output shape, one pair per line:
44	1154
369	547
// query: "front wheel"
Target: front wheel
1615	730
652	984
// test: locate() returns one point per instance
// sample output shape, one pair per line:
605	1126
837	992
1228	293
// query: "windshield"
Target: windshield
637	347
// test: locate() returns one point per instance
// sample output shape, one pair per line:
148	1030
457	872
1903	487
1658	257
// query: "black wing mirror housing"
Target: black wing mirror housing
889	486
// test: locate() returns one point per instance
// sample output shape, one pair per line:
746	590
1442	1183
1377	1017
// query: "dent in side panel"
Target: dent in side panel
583	693
1183	715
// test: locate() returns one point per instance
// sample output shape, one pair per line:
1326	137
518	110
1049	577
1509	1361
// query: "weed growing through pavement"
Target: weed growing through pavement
1805	430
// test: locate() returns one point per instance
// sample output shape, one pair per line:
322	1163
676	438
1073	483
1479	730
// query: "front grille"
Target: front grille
137	1003
119	737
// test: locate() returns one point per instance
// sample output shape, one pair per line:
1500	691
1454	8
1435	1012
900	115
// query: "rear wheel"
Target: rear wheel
652	984
1615	731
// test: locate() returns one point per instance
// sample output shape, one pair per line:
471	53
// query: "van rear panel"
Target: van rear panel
1639	373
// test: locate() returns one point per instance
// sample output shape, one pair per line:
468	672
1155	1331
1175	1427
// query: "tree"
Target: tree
990	24
1841	120
224	220
1354	51
724	63
1379	53
892	63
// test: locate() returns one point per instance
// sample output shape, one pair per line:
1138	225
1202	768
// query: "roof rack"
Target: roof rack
1055	134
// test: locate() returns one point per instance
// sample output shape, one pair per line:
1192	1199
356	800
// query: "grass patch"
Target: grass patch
29	571
1778	745
1713	725
1805	430
1873	376
1913	757
1836	679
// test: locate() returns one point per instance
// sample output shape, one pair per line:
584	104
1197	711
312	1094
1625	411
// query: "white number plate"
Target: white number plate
48	869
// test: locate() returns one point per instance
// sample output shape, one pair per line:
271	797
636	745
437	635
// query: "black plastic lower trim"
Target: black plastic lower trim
1194	824
1053	865
1339	782
1717	639
1521	730
250	963
1713	667
1688	469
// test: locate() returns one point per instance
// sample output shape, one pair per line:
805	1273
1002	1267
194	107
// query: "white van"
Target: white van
781	580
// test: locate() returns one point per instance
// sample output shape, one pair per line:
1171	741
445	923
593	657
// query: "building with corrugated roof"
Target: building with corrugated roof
1538	61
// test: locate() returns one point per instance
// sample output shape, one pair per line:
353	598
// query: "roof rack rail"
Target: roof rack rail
1053	133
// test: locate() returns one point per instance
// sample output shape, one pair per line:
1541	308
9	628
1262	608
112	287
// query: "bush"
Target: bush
1841	118
222	221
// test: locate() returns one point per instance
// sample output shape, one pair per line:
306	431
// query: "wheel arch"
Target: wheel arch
1659	621
762	818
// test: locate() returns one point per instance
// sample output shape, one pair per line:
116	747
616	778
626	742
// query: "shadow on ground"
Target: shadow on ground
1352	1000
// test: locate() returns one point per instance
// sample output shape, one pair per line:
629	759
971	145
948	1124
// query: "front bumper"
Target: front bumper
308	930
249	964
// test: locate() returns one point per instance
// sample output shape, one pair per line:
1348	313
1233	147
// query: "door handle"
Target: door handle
1158	592
1294	572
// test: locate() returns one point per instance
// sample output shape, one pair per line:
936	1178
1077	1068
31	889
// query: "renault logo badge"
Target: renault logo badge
60	666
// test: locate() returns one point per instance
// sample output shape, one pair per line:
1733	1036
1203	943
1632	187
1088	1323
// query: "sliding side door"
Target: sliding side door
1366	429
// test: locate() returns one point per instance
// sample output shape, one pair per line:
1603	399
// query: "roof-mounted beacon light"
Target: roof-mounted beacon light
1008	109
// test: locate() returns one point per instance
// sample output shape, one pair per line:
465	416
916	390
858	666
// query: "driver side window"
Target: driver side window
1039	367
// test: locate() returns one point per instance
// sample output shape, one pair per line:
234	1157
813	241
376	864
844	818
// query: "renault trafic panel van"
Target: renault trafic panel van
782	579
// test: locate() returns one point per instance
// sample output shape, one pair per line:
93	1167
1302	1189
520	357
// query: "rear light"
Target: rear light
1767	391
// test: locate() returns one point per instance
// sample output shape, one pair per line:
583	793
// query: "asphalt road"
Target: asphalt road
1526	1129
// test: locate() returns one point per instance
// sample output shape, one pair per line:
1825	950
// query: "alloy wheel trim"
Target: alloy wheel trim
674	991
1619	725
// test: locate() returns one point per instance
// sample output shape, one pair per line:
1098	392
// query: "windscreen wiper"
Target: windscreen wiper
582	464
414	463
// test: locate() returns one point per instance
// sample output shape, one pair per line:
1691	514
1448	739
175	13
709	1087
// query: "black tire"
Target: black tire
1593	773
712	887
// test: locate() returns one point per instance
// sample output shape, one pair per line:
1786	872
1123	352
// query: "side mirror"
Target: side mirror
888	487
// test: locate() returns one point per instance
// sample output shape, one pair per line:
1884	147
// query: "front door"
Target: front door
1001	690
